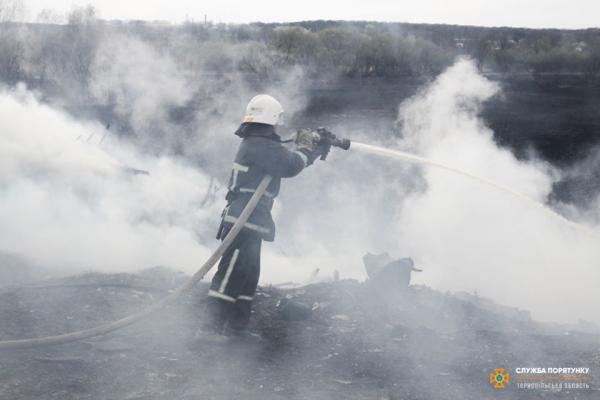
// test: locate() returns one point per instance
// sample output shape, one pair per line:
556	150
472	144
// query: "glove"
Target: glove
305	139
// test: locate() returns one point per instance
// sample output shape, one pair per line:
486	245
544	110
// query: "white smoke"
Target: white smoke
141	85
170	109
465	235
471	237
68	201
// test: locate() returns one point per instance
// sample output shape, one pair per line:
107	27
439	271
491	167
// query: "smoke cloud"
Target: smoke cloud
465	235
75	196
472	237
141	84
70	202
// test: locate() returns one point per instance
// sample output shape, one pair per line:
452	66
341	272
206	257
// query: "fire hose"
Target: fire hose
183	289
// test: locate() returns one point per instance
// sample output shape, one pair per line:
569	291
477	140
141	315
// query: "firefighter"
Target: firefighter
261	152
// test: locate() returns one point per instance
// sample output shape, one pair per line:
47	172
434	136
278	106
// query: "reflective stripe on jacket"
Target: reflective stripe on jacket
256	157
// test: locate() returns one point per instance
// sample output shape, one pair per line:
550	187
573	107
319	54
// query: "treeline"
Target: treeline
59	51
363	49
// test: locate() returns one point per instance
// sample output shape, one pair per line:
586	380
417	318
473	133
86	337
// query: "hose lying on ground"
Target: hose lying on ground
122	323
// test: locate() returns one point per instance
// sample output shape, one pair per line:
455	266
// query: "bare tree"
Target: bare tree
82	41
49	16
288	42
11	10
338	45
42	47
83	16
11	55
11	47
254	58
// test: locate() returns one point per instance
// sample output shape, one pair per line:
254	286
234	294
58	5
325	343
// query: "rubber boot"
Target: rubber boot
237	325
216	314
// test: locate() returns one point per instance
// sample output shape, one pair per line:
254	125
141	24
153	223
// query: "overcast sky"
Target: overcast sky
571	14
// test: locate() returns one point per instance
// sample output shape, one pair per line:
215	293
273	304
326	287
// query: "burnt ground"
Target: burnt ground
356	342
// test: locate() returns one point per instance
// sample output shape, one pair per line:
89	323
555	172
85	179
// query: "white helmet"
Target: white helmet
264	109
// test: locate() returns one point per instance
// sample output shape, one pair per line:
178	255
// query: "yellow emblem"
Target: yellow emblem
499	378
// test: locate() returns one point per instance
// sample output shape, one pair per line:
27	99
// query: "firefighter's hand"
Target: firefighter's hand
318	152
305	139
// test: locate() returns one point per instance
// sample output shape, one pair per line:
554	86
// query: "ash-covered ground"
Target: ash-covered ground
356	342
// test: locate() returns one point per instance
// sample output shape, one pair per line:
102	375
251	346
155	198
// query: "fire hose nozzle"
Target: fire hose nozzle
343	144
325	139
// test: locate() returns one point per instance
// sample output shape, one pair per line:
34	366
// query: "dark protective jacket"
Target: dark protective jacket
260	153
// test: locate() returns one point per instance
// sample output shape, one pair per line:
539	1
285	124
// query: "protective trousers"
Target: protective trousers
234	285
